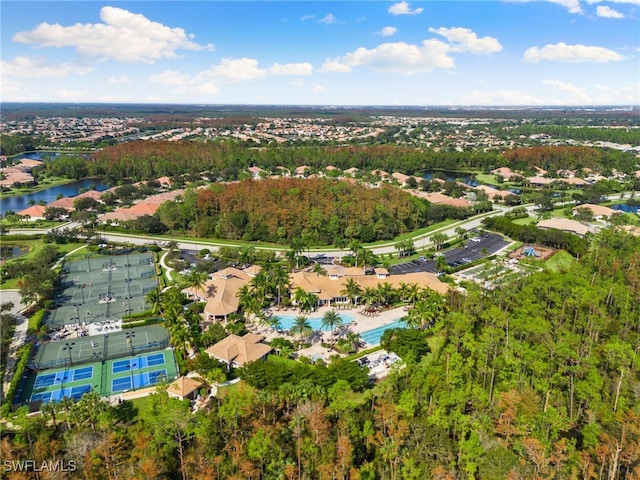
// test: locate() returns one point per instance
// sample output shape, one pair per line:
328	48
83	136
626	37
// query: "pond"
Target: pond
11	252
18	203
627	208
451	176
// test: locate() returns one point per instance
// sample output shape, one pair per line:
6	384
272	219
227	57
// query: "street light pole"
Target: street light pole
69	347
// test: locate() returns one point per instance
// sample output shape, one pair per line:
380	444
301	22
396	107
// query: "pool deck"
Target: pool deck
361	323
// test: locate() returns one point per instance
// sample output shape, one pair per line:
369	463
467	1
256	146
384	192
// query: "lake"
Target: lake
18	203
451	176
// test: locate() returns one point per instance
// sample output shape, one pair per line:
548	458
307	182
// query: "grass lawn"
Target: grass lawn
525	221
488	178
43	185
35	246
559	261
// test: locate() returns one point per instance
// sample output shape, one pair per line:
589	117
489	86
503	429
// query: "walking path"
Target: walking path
167	268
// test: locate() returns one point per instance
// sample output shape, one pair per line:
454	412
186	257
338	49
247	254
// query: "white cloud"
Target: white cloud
228	71
329	19
29	67
319	89
120	79
238	70
388	31
291	69
335	65
466	40
561	52
608	12
399	57
574	93
402	8
123	36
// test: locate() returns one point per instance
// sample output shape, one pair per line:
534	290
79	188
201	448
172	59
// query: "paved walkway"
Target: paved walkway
167	268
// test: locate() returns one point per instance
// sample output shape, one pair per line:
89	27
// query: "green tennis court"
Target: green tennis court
97	348
105	378
103	288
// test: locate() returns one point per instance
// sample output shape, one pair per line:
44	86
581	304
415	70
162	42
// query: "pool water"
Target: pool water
287	321
372	337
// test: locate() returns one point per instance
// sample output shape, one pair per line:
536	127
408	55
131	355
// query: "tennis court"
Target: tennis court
98	348
105	378
103	288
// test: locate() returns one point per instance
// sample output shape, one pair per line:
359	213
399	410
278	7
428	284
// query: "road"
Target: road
420	241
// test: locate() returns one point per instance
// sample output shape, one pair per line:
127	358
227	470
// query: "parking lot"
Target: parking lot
480	246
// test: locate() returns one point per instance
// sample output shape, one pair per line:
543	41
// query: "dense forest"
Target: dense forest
539	380
319	210
146	160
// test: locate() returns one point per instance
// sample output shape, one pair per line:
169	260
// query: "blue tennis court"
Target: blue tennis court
57	395
145	361
45	380
139	380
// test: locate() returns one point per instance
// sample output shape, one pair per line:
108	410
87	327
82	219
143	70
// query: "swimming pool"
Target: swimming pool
316	322
373	336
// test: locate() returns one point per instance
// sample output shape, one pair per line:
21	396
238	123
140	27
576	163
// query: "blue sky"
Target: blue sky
517	52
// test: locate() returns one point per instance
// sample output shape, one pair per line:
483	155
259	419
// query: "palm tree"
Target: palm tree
280	279
386	293
301	327
154	297
441	263
370	295
438	240
356	248
195	279
297	247
275	323
368	259
413	293
331	319
352	290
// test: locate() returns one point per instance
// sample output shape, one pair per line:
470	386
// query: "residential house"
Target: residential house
184	388
34	212
237	351
220	292
565	225
598	211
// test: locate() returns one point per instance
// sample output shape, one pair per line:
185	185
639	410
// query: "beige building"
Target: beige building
598	211
565	225
329	287
220	292
184	388
237	351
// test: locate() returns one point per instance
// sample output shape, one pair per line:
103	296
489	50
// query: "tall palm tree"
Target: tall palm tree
154	297
413	293
195	279
370	295
301	327
356	248
280	279
438	240
275	323
386	292
368	259
352	290
331	319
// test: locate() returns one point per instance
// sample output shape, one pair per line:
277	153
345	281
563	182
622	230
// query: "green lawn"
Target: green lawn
35	246
525	221
559	261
